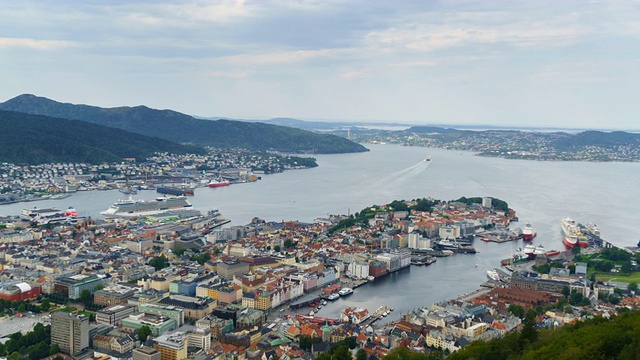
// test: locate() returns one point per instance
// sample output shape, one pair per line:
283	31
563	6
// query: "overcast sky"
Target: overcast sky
515	63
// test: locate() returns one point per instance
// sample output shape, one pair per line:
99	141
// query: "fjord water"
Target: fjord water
542	193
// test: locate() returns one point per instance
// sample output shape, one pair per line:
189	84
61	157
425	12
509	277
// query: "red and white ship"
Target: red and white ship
528	233
572	234
218	183
532	251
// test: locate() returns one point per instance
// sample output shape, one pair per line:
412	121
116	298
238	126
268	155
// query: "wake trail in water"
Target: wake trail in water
398	177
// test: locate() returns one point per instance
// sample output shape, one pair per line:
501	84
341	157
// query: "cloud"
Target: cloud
228	74
35	43
284	57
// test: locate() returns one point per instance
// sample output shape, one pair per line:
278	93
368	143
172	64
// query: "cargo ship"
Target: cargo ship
49	215
136	208
218	183
174	191
528	233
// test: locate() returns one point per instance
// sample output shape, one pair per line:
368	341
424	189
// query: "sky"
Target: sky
560	63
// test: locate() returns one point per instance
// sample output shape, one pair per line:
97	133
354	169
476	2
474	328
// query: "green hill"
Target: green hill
598	338
36	139
178	127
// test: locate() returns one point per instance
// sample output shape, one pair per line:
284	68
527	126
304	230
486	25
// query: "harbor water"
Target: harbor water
541	192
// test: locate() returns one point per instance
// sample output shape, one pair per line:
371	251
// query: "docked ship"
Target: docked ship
136	208
493	275
218	183
532	251
528	233
345	291
49	215
572	234
174	191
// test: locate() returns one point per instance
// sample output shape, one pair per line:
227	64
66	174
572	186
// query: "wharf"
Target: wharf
381	312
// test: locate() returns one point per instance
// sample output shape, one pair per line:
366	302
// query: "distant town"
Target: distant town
185	172
173	284
514	144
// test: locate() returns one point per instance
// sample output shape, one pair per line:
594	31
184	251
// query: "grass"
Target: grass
620	277
68	309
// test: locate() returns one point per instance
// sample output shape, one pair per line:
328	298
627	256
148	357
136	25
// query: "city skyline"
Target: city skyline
525	64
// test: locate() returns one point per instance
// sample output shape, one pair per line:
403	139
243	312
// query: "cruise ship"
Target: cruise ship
136	208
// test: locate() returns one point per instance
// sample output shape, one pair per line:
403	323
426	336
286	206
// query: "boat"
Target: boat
528	233
174	191
552	253
49	215
574	238
370	278
128	190
136	208
493	275
569	226
593	229
345	291
333	296
532	251
427	159
218	183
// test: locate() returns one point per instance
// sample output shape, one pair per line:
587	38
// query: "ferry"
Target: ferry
49	215
218	183
528	233
136	208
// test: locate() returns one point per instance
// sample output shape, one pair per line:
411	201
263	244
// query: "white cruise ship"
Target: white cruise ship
137	208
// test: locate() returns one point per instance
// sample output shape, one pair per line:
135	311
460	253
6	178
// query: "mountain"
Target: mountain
182	128
37	139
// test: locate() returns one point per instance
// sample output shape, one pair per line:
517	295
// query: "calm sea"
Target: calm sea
542	193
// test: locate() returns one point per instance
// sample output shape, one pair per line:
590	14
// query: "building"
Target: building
146	353
19	292
228	269
193	308
113	295
72	286
113	314
170	311
70	332
158	324
171	346
199	338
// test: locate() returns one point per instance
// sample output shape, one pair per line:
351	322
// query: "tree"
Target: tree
566	291
54	349
529	333
143	333
45	304
361	355
22	308
633	286
341	353
516	310
276	248
159	262
86	297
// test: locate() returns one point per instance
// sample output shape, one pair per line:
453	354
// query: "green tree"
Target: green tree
86	297
45	304
22	308
159	262
54	349
633	286
566	291
143	333
529	333
361	355
276	248
516	310
341	353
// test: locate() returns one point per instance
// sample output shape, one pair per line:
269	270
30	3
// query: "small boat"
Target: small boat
333	296
345	291
370	278
427	159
